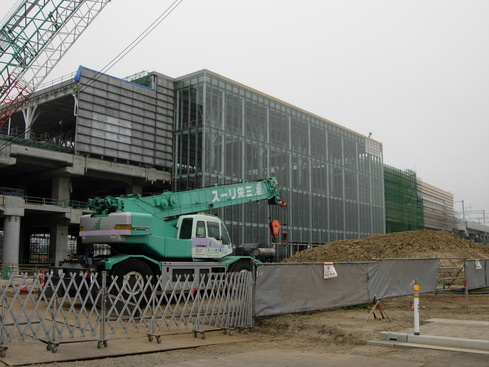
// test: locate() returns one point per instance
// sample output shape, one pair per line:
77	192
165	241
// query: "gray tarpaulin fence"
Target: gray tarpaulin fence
285	288
397	277
477	273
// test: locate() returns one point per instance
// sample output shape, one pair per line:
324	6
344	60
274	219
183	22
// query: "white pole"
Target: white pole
416	309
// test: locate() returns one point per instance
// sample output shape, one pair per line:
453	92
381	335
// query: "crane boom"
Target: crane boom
33	40
170	204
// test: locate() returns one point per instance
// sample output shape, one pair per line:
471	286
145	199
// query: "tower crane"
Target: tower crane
34	38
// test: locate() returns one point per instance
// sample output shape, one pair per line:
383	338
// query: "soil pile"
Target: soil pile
399	245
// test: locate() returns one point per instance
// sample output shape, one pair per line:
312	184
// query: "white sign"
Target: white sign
478	265
239	192
329	271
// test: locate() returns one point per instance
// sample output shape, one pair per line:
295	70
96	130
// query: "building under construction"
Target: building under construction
403	204
97	135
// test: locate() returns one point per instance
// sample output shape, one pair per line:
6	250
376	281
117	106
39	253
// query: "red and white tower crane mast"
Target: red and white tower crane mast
33	39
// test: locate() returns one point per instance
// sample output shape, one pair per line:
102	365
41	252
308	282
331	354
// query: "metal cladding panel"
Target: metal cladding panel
119	120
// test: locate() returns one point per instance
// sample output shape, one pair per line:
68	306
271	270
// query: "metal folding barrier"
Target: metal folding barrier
52	308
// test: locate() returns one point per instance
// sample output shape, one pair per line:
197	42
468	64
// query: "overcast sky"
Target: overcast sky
415	73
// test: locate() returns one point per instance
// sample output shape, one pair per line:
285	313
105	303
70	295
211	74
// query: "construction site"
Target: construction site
342	319
150	214
95	135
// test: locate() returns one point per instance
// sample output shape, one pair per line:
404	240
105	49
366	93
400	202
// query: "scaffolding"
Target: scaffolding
403	206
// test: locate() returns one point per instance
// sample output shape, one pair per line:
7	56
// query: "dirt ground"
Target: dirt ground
344	331
348	330
400	245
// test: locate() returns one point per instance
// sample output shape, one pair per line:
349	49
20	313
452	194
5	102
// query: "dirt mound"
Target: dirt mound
399	245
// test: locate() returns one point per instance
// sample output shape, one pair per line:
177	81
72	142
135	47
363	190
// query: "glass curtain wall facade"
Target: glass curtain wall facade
331	177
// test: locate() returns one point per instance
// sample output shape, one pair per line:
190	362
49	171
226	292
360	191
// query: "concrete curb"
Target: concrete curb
441	341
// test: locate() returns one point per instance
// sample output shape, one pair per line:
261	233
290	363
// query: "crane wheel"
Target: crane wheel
240	266
132	277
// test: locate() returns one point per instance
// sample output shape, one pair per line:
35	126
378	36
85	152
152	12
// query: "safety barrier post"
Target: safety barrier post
416	309
3	348
103	300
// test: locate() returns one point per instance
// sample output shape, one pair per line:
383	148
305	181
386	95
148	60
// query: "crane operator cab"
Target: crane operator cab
208	235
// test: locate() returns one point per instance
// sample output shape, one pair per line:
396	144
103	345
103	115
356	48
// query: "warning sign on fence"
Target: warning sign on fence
329	271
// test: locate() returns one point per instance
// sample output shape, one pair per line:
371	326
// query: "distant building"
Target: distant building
438	207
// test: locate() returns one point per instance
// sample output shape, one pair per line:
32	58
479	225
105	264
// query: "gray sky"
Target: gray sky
415	73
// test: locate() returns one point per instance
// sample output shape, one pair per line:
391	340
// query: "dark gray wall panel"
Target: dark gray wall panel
125	121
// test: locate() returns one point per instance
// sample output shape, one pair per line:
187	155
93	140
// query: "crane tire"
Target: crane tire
240	266
138	273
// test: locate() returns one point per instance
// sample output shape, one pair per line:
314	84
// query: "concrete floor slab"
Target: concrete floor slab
455	335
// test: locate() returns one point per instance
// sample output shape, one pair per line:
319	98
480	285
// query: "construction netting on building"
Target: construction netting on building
403	205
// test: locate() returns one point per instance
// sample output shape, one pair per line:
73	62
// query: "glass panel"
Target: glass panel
224	235
200	231
213	229
331	178
186	229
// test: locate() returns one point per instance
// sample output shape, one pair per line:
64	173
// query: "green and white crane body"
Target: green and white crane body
168	233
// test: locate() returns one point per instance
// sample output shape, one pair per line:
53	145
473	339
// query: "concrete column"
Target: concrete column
58	242
11	240
30	116
61	188
134	189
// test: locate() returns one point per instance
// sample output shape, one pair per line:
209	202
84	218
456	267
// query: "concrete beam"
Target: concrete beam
12	205
74	215
5	157
76	164
120	169
51	155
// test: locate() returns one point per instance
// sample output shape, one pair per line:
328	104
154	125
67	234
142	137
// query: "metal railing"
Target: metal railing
51	308
62	142
55	82
451	274
8	191
74	204
55	202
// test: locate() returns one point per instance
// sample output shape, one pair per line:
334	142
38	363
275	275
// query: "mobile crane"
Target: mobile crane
167	235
